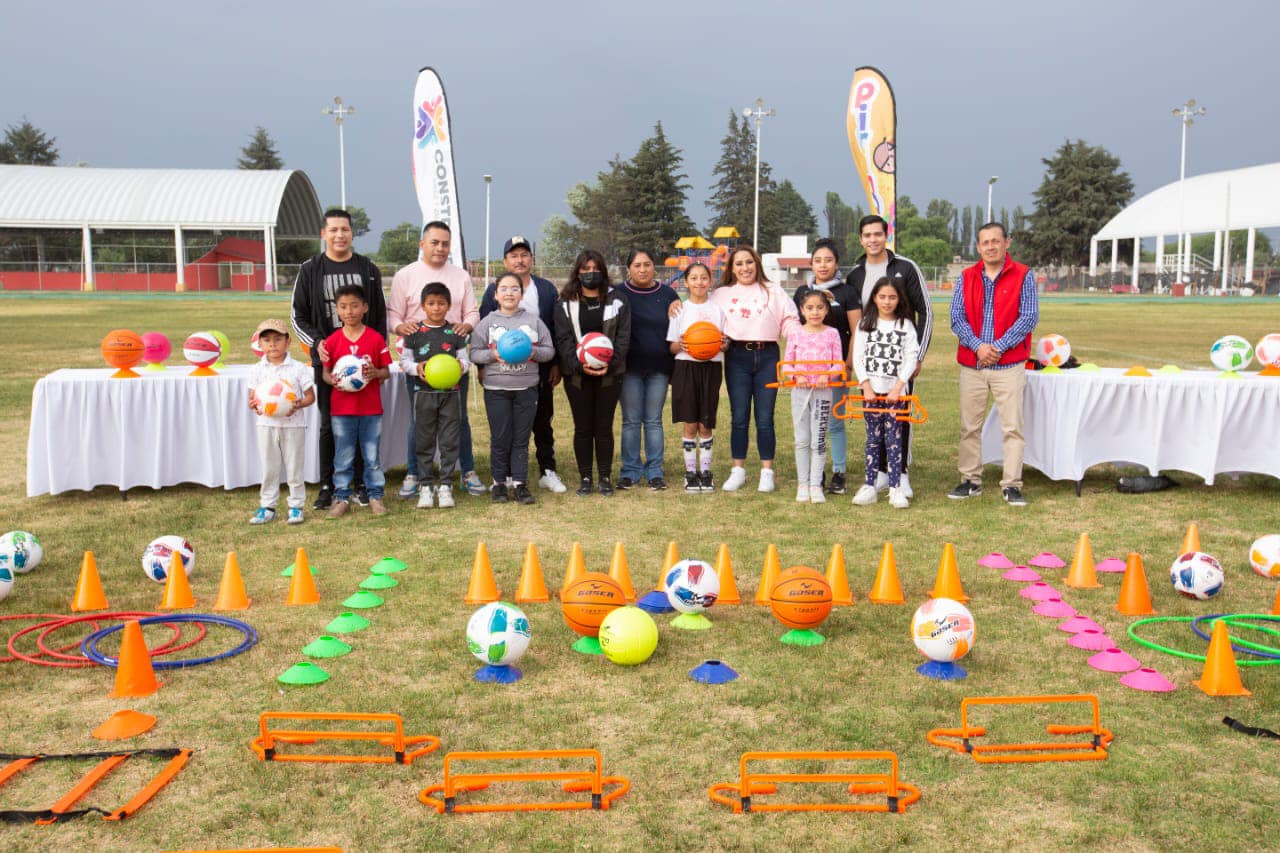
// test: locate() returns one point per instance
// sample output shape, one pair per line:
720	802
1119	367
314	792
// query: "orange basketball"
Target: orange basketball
122	348
589	599
801	598
702	339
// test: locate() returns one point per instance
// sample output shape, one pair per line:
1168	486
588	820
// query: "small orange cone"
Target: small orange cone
838	577
577	567
302	588
621	572
533	587
482	589
668	560
1135	595
947	584
769	576
886	589
1275	608
231	592
1083	574
89	594
1190	542
123	725
724	570
134	674
1221	676
177	589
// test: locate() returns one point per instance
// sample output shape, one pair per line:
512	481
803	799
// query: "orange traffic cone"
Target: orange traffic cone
1221	676
1083	574
621	572
231	592
1135	595
887	589
134	674
482	589
1190	542
89	594
177	589
533	587
302	587
838	577
668	560
769	576
947	584
724	570
577	567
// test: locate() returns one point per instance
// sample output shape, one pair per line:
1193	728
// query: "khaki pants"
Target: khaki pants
1006	387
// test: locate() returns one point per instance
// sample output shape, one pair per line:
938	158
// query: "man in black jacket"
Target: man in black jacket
314	317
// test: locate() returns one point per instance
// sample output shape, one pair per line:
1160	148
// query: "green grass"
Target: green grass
1176	778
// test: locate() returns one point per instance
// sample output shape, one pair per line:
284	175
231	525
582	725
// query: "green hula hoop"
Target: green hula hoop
1239	620
1178	653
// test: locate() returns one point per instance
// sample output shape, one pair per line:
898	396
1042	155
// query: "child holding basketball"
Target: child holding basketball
815	341
885	349
281	441
695	382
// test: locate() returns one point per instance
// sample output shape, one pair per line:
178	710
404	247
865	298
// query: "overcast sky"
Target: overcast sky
543	93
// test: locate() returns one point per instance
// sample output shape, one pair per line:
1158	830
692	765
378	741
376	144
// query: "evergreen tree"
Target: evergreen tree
602	211
733	194
359	219
785	211
399	245
1083	187
656	196
260	153
841	219
559	244
27	145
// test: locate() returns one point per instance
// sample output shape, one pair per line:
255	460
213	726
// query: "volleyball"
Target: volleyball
692	586
224	346
588	600
595	350
442	371
943	630
702	340
514	347
254	346
277	397
1054	350
1231	352
498	633
20	551
157	559
1267	350
348	373
201	349
122	348
1264	555
628	636
801	598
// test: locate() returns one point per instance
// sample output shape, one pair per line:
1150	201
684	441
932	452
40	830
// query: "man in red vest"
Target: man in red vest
993	310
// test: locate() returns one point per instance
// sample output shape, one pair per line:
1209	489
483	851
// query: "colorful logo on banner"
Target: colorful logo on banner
872	131
431	126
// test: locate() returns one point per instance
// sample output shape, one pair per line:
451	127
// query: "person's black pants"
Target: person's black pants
594	405
544	437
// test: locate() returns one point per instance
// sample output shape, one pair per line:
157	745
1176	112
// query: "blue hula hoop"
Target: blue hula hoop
89	646
1195	626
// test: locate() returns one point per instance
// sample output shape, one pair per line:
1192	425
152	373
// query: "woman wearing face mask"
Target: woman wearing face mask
649	366
587	304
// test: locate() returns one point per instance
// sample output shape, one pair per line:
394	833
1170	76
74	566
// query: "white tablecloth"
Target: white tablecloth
1192	421
166	428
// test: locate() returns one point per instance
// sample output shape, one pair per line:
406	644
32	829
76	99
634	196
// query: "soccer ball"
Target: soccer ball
692	586
1264	555
1054	350
595	350
943	630
20	551
1231	352
1197	575
158	557
348	373
498	634
277	397
6	583
1267	350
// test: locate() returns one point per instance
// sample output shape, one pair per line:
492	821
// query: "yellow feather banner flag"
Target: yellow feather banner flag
872	123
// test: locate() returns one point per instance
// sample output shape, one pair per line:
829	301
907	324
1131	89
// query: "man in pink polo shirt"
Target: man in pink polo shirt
404	312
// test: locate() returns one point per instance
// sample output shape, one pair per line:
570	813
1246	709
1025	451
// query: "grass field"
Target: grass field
1176	778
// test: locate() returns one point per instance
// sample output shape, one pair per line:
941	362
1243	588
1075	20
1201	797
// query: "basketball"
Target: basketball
442	371
155	347
588	600
702	339
515	347
595	350
122	348
201	349
628	636
801	598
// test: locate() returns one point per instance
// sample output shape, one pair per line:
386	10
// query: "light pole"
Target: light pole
340	111
488	182
991	182
1187	114
758	113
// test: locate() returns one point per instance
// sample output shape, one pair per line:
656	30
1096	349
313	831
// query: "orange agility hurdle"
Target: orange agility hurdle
836	373
266	744
851	407
1093	749
574	781
897	794
110	761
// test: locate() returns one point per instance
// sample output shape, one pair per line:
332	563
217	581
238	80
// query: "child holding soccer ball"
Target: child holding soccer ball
281	437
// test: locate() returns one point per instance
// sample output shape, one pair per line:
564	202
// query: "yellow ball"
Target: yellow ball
628	636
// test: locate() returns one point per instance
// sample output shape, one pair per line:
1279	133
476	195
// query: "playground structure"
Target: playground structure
698	249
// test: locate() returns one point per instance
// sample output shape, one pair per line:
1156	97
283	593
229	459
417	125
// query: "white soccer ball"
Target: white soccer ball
1231	352
943	630
1264	555
1054	350
277	397
1197	575
498	634
157	559
6	583
20	551
1267	350
692	586
348	373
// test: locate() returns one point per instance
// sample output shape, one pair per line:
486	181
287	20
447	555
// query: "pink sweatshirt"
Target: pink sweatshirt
825	345
756	312
404	305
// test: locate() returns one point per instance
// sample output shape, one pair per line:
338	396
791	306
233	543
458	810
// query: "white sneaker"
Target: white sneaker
766	480
898	498
882	481
866	495
802	494
737	478
426	498
444	496
409	488
905	485
816	496
550	481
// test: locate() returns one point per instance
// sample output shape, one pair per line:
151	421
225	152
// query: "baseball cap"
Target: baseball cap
516	242
278	326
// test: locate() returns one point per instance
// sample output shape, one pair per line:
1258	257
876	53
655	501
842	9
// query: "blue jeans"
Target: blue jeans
837	439
746	373
644	393
466	458
350	431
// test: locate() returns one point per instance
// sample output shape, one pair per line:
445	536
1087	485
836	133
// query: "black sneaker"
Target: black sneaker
324	500
584	488
360	497
705	479
692	481
606	487
838	485
657	484
624	483
522	494
498	493
1013	496
965	490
